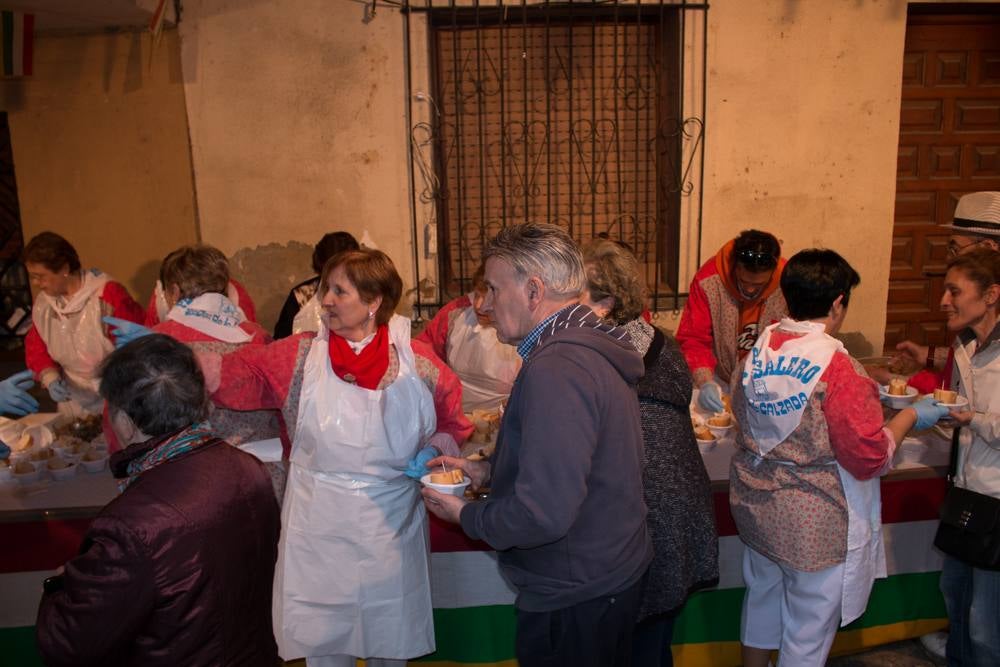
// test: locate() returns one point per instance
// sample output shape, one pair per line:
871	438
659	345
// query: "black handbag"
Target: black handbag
970	522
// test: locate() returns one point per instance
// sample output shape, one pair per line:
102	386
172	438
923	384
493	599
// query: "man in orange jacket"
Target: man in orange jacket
732	298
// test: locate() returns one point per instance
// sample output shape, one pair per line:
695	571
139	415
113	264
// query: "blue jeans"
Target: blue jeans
972	598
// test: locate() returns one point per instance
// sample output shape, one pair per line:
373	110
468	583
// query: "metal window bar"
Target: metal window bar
585	125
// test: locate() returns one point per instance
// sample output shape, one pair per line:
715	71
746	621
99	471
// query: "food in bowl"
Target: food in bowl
897	387
721	420
23	443
61	469
448	477
23	468
702	433
94	455
57	463
42	454
945	396
454	489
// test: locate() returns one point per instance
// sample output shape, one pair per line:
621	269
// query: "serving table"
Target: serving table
42	525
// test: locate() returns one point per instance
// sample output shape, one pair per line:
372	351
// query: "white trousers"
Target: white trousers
795	612
351	661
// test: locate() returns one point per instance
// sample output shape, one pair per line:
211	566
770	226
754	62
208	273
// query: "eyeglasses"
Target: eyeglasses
955	249
756	259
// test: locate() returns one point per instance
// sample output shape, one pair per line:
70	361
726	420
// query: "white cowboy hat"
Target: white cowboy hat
977	214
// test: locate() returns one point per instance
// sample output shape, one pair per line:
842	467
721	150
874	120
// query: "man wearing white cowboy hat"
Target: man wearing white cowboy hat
975	225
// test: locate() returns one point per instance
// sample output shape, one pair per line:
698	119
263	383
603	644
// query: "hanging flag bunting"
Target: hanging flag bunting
156	20
16	42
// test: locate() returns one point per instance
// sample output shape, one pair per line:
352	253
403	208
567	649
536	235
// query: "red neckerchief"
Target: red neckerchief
366	369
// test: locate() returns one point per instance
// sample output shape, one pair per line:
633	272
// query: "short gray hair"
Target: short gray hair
543	250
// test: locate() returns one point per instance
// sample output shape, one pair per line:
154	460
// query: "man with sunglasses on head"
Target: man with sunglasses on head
732	298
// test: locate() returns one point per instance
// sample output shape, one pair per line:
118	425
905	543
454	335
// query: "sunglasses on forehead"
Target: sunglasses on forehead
756	259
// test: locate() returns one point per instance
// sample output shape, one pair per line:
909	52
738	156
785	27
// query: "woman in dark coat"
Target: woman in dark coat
676	486
176	570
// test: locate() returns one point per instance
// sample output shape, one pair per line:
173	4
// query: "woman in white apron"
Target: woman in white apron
465	339
804	483
67	341
352	574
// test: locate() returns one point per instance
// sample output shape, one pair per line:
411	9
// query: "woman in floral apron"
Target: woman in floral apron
804	487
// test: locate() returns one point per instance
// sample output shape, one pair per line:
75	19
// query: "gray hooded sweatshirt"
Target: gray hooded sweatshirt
566	510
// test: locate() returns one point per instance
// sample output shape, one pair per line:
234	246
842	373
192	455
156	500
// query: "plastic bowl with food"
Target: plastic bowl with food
958	403
895	401
456	489
706	439
720	424
25	473
94	464
61	469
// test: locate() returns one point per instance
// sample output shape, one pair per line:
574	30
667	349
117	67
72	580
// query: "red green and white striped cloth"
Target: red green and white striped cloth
473	605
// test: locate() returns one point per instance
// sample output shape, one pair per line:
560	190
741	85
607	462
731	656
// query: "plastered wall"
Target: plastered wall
297	126
803	121
297	129
100	147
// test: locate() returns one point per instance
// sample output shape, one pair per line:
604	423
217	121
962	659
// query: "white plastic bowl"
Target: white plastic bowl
64	473
94	466
897	402
27	477
706	445
451	489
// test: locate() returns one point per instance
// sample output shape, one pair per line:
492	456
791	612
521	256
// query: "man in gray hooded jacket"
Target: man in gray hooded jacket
565	512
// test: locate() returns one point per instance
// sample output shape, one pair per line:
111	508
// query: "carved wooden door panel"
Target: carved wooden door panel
949	144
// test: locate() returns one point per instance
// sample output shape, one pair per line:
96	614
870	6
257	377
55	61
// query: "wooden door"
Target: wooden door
949	144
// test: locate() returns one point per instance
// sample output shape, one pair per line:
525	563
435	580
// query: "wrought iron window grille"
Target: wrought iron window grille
586	115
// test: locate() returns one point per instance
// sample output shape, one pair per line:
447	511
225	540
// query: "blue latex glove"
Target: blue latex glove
928	412
417	468
14	397
4	451
710	397
59	391
124	331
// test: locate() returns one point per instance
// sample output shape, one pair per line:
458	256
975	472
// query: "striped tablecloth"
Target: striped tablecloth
473	605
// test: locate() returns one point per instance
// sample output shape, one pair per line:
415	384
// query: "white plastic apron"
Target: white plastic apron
74	337
308	317
485	366
865	560
352	575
